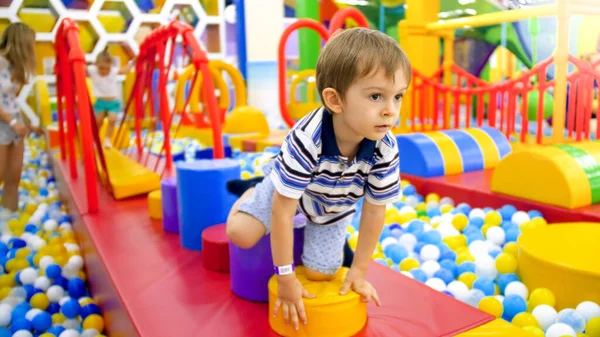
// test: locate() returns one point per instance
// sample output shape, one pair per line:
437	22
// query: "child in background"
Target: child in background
329	160
105	88
17	65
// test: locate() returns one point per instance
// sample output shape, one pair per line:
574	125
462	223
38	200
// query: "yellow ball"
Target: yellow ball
527	226
406	217
94	322
350	230
460	221
506	263
68	235
4	292
85	301
468	278
492	306
30	208
512	248
55	241
58	318
404	183
524	319
494	218
582	335
432	197
446	208
539	222
461	250
424	218
485	228
534	330
40	301
541	296
46	334
464	256
409	264
592	328
6	281
378	255
421	207
23	253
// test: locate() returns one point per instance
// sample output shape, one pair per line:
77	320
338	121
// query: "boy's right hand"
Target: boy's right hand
289	297
20	129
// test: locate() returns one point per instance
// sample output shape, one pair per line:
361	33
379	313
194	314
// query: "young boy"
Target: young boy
328	161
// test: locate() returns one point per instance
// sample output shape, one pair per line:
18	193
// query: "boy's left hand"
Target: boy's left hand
355	280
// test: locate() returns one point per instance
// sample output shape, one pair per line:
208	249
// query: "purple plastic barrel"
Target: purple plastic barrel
251	269
168	189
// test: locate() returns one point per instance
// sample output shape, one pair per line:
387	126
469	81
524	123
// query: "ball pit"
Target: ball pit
43	289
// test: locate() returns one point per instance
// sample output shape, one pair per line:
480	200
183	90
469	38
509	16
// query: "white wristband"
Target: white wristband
13	122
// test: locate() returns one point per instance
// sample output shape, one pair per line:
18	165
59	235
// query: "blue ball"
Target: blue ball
53	308
409	190
485	285
419	275
395	226
534	214
386	232
3	248
447	293
513	305
478	222
56	330
571	318
432	237
61	281
20	311
464	208
76	288
30	228
5	332
505	279
420	198
12	253
471	229
20	323
477	236
418	247
433	212
415	227
445	275
396	253
487	209
512	234
397	232
381	261
450	265
395	267
53	271
447	254
42	321
507	211
399	204
466	266
495	252
43	192
70	308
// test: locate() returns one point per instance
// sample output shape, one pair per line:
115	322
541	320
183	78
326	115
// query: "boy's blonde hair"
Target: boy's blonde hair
17	45
355	53
104	56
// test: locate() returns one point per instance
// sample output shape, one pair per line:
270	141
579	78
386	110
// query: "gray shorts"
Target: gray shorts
323	244
7	133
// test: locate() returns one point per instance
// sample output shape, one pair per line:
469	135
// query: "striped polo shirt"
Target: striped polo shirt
311	168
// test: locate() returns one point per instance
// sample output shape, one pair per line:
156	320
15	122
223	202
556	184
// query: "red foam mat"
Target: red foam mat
149	286
474	189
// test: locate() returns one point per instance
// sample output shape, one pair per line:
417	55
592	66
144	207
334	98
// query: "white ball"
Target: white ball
474	296
90	333
478	248
560	330
446	201
496	235
500	298
436	283
431	204
22	333
572	318
69	271
72	324
430	252
446	229
588	310
37	243
32	313
407	274
77	261
412	201
55	293
485	266
476	213
72	247
545	315
28	275
491	246
65	226
517	288
68	332
46	261
384	243
50	225
520	217
447	217
42	283
430	267
5	314
408	241
459	290
18	292
64	299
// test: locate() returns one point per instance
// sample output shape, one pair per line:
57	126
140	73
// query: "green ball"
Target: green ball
532	105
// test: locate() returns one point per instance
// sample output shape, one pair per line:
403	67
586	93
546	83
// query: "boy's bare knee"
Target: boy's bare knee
237	234
314	275
112	119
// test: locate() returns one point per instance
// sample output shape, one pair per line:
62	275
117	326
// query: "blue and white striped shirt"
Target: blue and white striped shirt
311	168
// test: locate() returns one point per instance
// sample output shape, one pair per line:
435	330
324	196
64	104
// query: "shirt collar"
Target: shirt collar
366	148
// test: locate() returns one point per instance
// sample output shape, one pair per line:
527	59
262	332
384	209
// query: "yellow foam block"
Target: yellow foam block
328	314
128	177
496	328
543	174
155	204
563	258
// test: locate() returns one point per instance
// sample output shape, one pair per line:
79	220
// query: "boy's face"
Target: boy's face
103	68
371	105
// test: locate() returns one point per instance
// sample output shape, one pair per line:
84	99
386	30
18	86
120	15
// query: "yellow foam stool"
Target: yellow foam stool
563	258
155	205
328	314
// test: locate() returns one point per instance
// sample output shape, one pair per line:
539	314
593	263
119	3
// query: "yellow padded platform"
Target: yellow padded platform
155	205
496	328
129	178
563	258
328	314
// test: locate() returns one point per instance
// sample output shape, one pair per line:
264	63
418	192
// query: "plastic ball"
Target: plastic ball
560	330
524	319
541	296
511	248
491	306
445	275
397	253
592	328
430	252
408	241
474	297
93	321
517	288
430	267
42	321
22	333
409	264
70	309
588	310
69	333
476	213
485	266
513	305
496	235
571	318
485	285
534	330
545	315
419	275
436	284
506	263
468	278
458	289
460	221
39	301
